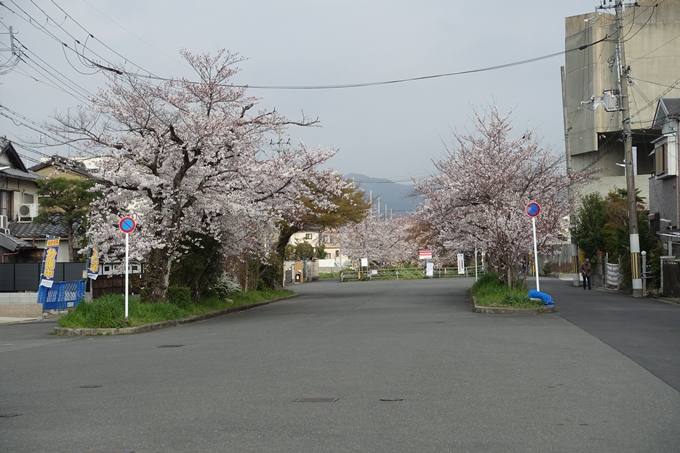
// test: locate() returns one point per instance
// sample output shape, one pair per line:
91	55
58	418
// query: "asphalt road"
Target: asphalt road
468	382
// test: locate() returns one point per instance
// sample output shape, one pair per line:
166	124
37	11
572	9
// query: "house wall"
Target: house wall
58	172
19	187
663	199
301	236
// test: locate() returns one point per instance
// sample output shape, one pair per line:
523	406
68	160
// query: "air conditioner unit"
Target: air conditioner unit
27	212
4	222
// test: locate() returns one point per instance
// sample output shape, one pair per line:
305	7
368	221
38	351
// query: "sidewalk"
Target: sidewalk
17	320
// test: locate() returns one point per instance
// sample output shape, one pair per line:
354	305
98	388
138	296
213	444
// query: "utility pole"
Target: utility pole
627	136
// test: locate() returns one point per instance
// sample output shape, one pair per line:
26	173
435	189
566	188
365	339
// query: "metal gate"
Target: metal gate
671	278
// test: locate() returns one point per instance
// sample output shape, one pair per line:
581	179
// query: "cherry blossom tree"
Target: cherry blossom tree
190	158
380	239
478	198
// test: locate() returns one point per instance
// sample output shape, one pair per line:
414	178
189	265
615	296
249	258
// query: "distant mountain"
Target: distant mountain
397	196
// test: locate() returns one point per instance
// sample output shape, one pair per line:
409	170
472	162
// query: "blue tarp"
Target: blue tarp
547	300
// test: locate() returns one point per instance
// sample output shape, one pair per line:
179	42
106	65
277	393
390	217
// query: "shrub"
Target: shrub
225	285
180	296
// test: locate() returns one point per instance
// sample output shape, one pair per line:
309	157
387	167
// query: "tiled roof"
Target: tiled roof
63	163
36	230
12	243
18	174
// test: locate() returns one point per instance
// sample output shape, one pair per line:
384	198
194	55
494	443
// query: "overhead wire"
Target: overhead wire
75	86
33	21
99	41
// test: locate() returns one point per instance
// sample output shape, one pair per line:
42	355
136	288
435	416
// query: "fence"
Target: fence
406	273
61	295
15	277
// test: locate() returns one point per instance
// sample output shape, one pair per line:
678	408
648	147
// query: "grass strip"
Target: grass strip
489	292
108	311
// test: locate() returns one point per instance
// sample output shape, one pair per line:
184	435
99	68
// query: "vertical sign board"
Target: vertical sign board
49	261
127	225
429	269
533	209
461	264
93	263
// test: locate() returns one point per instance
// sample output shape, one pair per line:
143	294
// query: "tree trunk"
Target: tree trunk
71	248
157	274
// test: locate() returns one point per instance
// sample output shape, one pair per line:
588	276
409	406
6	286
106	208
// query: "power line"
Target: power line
391	82
98	40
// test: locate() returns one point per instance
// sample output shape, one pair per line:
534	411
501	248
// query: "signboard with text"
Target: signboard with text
93	264
49	262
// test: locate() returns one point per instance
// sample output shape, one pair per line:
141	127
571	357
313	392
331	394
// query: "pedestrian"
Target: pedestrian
585	272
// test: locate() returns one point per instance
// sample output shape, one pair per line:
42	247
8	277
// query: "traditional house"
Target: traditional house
664	189
21	241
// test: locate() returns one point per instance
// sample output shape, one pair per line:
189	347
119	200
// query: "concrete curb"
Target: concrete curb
69	332
509	310
514	311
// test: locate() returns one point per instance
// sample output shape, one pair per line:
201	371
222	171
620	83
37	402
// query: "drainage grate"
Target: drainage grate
316	400
90	386
391	399
171	346
11	414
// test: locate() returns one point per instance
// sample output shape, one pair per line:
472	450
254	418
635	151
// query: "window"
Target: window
328	256
29	198
6	203
308	235
661	159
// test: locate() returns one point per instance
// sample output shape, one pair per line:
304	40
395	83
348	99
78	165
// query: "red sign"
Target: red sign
127	225
425	254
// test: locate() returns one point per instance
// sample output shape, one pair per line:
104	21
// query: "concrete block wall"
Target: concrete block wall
18	298
20	305
33	310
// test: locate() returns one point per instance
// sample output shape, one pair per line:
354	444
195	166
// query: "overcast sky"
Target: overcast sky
389	131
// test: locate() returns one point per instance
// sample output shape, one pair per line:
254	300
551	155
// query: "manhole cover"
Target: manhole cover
90	386
171	346
316	400
11	414
391	399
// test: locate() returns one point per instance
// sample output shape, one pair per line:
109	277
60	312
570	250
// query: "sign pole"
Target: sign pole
533	222
127	277
127	225
532	210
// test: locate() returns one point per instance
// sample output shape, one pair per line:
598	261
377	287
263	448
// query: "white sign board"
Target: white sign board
364	262
461	264
429	270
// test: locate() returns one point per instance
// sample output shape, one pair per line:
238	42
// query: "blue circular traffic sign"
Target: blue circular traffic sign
533	209
127	225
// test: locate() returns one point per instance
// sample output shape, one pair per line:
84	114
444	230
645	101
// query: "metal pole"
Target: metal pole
627	136
126	275
533	222
476	264
644	269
